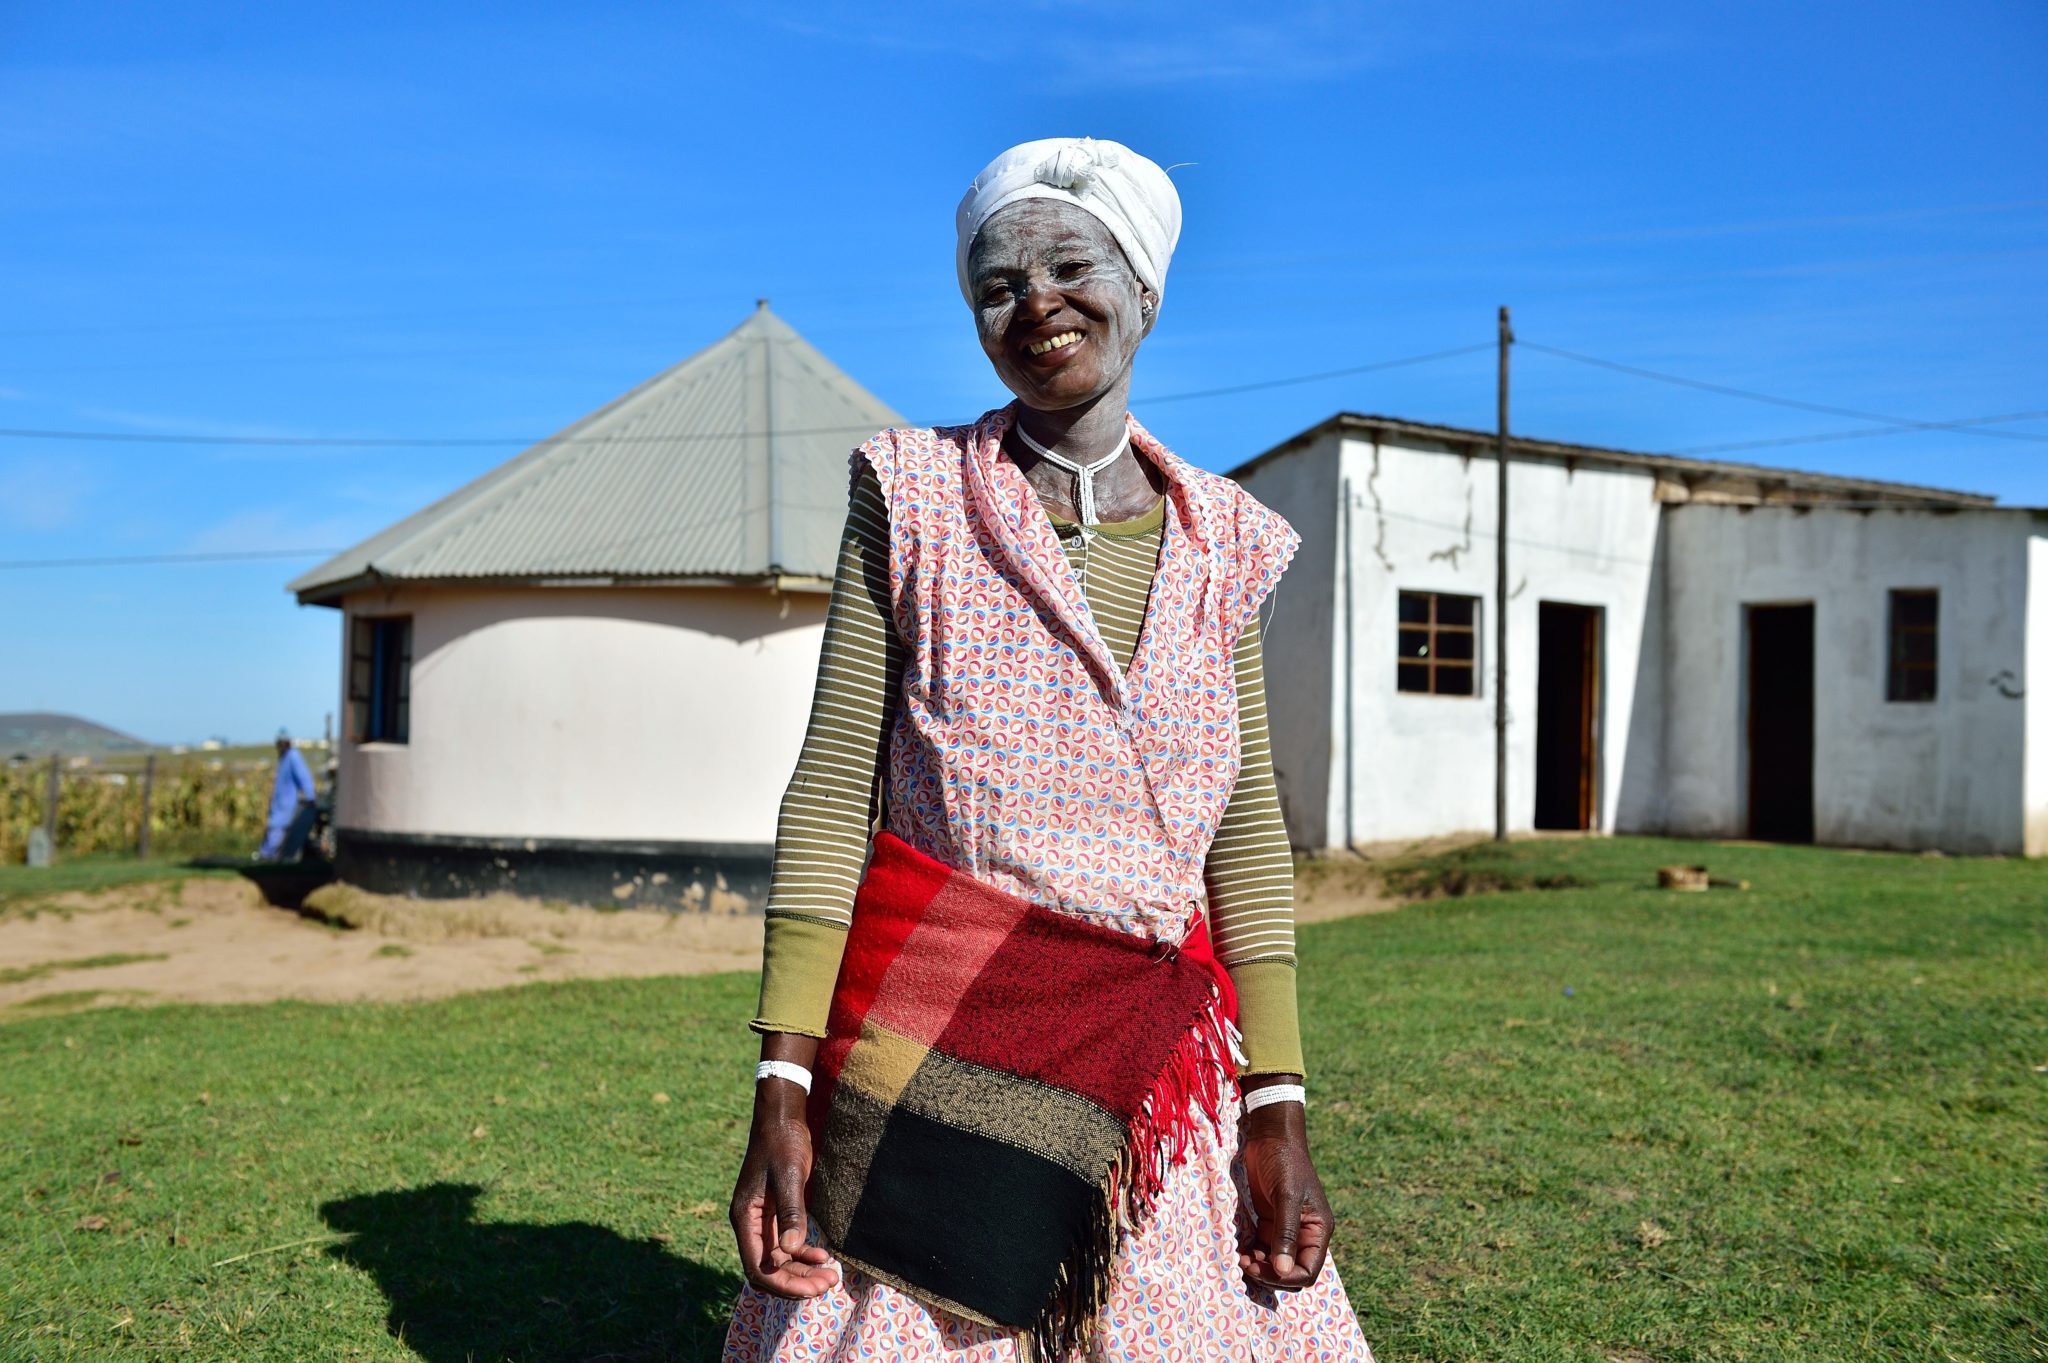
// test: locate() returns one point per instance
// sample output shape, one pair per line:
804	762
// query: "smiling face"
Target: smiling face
1059	310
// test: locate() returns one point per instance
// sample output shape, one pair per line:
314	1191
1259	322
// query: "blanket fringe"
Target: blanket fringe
1195	1078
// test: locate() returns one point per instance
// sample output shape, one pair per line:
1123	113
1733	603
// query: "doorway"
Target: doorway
1567	715
1781	723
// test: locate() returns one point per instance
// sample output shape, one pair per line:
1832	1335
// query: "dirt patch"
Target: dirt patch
1339	886
217	941
1369	878
154	896
497	915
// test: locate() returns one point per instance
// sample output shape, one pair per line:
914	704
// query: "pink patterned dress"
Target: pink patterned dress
1024	756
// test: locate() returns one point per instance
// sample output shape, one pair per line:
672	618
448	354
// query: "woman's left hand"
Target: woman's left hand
1286	1236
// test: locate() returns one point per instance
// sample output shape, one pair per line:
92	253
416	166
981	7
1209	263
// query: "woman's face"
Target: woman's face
1059	309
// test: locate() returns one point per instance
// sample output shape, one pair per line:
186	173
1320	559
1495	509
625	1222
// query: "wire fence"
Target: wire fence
196	805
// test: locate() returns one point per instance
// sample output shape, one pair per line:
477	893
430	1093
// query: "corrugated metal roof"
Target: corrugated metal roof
1770	482
730	465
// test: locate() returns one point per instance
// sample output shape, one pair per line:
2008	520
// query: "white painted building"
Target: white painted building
586	674
1694	647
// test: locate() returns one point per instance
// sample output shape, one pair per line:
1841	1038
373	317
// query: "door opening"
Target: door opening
1567	715
1781	723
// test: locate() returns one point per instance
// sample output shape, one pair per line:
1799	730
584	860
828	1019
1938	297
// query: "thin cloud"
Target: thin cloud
44	492
158	424
1321	42
1078	44
275	528
1680	233
1242	53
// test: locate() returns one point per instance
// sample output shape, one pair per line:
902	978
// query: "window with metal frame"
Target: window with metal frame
1438	644
380	678
1915	644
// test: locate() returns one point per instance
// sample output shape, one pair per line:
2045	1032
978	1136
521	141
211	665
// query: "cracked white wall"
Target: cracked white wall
1363	762
1303	670
1422	518
1953	773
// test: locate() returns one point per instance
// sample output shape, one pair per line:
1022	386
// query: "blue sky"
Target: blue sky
475	221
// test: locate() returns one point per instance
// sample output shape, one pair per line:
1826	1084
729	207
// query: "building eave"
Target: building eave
335	593
1710	479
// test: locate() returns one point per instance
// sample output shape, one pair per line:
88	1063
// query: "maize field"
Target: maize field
196	806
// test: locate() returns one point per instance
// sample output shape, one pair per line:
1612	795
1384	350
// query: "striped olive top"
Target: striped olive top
830	808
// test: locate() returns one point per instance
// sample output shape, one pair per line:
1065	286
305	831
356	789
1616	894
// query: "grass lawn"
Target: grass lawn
1599	1122
22	886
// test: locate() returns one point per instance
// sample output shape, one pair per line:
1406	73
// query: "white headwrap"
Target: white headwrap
1130	194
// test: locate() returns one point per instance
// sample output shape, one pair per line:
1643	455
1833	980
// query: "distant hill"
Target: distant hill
38	734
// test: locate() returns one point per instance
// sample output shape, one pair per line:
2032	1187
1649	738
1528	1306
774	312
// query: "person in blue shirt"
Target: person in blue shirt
291	804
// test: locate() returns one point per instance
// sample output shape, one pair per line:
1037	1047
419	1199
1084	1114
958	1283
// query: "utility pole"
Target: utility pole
51	789
1500	598
1350	672
148	794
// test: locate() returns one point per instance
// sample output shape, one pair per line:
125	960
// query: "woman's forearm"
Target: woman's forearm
1250	876
821	835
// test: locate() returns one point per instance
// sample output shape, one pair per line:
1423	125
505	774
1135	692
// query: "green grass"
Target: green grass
70	1000
1801	1122
22	974
21	887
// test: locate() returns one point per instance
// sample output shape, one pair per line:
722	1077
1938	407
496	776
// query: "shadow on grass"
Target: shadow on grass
463	1290
1484	868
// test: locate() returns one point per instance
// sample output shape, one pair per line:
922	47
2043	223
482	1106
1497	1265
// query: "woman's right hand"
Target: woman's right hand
768	1217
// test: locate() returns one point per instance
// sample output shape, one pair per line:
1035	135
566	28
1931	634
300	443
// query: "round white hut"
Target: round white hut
585	675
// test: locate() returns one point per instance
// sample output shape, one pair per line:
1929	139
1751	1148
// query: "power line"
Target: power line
440	314
472	442
668	528
1326	374
1903	423
1895	424
131	560
1890	425
1866	432
402	441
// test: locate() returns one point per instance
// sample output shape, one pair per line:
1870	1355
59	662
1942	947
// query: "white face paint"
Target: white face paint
1058	308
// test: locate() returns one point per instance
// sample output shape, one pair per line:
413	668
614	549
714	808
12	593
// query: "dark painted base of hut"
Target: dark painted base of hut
715	876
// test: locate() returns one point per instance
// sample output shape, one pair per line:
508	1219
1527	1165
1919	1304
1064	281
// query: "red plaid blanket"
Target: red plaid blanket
1001	1093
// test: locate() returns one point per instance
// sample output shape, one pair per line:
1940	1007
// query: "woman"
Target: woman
1023	1130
